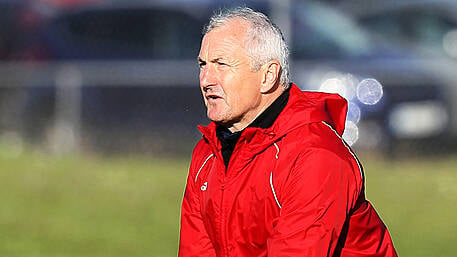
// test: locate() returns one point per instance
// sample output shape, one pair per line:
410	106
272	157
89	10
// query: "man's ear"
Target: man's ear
270	76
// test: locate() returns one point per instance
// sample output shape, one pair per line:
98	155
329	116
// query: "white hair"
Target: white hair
264	41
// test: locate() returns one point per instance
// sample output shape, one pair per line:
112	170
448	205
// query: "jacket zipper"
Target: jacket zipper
223	218
224	212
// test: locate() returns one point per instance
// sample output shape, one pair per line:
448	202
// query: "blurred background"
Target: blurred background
99	103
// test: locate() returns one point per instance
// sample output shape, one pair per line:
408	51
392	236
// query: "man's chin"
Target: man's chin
222	122
215	116
218	119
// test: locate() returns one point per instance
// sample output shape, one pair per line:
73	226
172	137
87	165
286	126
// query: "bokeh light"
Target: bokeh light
343	84
450	43
350	83
354	113
369	91
351	133
333	85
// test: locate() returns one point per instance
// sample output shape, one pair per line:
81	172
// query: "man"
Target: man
271	175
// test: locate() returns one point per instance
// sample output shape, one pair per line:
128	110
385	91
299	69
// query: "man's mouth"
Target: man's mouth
213	97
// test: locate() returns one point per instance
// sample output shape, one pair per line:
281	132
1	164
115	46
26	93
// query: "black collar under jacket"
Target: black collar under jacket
264	120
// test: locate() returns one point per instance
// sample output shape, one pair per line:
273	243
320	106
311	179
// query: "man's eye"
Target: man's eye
222	63
201	64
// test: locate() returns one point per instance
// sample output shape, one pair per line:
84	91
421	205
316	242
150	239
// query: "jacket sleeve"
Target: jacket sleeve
194	240
316	198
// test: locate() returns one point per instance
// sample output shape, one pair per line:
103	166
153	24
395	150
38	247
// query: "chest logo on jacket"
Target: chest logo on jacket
204	186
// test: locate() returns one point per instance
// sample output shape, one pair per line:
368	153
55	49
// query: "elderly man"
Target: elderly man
271	175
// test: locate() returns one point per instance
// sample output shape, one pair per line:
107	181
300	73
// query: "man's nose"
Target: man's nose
207	77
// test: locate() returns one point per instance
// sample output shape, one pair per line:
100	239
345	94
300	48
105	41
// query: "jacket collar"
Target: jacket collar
302	108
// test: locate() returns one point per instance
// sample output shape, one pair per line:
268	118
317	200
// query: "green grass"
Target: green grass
417	199
90	207
93	206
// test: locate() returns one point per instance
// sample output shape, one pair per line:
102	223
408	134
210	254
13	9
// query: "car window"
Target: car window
320	32
421	25
128	33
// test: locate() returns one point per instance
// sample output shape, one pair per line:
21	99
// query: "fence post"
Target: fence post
65	136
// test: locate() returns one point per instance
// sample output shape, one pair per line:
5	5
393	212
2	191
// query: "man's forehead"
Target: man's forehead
223	39
236	27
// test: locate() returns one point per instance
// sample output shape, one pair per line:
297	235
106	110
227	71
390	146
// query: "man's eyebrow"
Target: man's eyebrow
218	59
200	60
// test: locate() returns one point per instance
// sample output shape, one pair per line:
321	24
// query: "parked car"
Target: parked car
326	39
427	26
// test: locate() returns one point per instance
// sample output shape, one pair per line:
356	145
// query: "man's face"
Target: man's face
230	89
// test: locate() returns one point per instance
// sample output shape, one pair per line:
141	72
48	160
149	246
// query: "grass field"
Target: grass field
93	206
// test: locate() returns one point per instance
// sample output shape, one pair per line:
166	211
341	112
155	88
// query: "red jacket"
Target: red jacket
294	189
